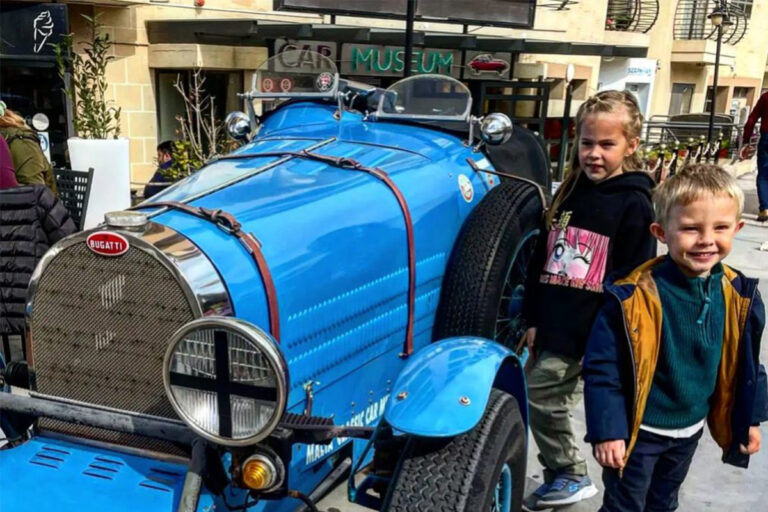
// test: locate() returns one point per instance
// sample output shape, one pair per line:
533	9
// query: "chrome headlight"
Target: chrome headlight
226	379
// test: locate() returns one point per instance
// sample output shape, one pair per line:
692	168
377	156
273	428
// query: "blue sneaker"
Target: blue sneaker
567	489
531	502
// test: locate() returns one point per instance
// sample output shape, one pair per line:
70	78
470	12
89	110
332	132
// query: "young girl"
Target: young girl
598	223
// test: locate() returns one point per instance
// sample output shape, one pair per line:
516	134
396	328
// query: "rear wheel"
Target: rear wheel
484	283
481	470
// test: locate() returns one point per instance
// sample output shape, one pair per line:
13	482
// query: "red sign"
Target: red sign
267	85
107	243
286	85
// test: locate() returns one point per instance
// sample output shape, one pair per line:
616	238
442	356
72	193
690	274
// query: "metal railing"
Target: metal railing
692	21
632	15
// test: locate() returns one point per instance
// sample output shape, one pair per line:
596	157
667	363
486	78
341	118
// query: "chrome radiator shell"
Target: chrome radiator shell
99	326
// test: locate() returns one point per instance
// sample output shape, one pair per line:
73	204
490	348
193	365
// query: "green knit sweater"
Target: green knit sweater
692	329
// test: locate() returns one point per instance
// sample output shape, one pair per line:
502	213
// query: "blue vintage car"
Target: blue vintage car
340	295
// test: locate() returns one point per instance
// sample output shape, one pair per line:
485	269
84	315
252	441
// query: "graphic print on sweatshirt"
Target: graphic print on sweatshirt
576	258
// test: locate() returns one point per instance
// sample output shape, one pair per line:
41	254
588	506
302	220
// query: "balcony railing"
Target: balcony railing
632	15
692	22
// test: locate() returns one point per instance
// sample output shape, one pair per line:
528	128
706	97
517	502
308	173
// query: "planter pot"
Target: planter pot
111	187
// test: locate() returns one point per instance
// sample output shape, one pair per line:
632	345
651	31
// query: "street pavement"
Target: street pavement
711	485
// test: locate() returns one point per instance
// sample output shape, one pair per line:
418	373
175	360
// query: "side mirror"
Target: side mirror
238	125
496	129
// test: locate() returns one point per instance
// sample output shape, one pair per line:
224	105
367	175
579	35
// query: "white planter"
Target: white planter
111	187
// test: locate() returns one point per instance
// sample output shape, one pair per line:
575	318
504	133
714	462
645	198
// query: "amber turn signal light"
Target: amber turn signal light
258	473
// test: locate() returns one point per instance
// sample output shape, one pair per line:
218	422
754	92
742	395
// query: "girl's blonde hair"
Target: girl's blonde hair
11	119
605	102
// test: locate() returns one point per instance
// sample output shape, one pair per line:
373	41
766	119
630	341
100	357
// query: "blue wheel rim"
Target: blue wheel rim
509	322
502	498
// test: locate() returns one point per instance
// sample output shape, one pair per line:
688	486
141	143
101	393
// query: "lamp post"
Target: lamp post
409	18
719	18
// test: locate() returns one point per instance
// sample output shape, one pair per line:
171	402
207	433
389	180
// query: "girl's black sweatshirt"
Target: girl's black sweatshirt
599	230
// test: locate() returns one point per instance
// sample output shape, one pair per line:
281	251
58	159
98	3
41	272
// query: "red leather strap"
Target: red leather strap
228	222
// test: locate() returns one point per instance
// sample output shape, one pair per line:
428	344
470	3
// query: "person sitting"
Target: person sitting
28	158
164	161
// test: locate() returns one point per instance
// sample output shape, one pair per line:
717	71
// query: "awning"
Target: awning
253	32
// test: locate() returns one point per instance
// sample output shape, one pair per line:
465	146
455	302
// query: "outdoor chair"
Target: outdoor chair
74	191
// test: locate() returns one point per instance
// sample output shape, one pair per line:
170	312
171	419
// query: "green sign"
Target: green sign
390	61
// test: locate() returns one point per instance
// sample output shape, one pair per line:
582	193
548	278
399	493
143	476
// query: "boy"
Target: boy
676	345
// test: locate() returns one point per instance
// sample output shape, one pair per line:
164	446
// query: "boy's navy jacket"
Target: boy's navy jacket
624	345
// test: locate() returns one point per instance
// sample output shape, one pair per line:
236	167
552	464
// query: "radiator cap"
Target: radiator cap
126	219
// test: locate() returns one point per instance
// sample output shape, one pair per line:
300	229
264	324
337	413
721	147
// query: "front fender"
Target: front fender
444	388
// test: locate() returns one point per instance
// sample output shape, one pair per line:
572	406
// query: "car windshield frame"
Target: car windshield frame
405	116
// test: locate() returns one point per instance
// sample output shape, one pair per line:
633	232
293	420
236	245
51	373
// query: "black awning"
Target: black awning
253	32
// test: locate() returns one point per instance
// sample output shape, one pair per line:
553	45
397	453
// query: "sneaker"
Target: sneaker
531	502
567	489
762	216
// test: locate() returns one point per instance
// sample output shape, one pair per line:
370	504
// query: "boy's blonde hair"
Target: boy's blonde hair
691	183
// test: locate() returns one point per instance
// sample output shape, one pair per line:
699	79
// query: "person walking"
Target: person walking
28	159
759	112
598	223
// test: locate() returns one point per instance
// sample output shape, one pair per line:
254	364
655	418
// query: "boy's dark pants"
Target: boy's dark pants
653	475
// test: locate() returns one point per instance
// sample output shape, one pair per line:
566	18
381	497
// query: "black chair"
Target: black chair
74	191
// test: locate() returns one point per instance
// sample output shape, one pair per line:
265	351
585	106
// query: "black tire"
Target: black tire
460	474
497	239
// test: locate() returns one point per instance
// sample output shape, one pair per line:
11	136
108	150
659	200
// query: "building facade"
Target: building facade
634	44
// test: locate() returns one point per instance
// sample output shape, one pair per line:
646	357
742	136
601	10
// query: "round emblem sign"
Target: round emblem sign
324	82
286	85
467	190
268	85
107	243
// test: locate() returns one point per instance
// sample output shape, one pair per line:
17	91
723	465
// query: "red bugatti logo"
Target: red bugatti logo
106	243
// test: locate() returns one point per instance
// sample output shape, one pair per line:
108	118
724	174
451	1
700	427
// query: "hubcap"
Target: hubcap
502	494
510	325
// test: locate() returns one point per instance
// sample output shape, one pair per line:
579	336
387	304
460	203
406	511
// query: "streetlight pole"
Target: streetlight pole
718	17
409	19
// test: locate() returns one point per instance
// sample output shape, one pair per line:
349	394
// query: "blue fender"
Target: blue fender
444	388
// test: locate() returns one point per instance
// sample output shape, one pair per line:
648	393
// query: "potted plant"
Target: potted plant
96	121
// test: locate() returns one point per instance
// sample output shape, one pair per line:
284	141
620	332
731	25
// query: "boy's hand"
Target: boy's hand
611	453
754	442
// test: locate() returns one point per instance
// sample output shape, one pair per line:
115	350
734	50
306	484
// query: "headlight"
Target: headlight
226	379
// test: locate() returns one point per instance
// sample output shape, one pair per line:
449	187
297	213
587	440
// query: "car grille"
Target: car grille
100	328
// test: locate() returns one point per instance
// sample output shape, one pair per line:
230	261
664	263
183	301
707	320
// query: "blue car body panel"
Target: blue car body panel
71	477
335	243
444	389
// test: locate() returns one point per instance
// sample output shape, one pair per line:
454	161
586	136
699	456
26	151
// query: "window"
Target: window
742	6
682	96
222	86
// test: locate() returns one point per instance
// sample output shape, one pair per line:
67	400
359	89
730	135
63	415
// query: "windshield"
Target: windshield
426	97
294	74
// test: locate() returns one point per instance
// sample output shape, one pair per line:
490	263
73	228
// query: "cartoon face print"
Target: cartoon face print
577	254
568	260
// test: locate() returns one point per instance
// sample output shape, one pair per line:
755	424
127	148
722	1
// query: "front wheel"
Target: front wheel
480	470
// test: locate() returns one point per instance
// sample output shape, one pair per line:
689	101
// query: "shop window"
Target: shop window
221	86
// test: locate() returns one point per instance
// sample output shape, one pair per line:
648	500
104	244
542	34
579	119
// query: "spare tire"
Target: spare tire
484	282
